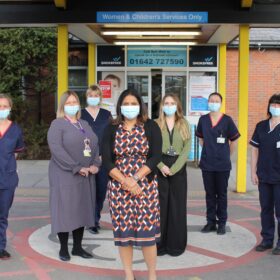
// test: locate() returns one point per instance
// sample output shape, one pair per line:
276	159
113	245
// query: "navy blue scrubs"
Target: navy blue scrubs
11	142
98	125
267	142
215	164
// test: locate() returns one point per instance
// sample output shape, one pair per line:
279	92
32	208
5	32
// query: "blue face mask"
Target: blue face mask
71	110
4	114
131	111
169	110
275	112
214	107
93	101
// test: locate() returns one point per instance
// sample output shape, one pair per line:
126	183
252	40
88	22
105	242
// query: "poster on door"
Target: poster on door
106	88
200	88
110	97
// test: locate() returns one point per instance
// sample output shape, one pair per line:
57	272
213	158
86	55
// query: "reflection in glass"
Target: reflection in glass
156	92
141	85
77	77
177	85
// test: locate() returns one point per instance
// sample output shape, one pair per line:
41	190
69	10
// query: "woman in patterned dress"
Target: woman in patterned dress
131	151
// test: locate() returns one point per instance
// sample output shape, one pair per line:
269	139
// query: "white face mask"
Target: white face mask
130	111
93	101
71	110
214	107
4	114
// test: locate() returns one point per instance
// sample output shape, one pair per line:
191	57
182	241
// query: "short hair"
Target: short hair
274	99
60	110
94	88
143	114
217	94
8	97
113	77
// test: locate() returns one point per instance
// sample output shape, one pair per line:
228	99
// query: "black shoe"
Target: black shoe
98	226
82	253
221	229
161	253
208	228
93	230
263	246
4	255
276	250
65	257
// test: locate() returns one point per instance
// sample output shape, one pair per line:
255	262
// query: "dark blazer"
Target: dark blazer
154	137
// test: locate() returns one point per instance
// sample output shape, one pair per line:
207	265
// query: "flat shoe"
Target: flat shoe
262	247
208	228
82	253
64	258
276	250
4	255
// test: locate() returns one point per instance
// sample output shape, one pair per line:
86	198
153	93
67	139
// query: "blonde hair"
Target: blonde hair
180	123
95	88
60	110
8	97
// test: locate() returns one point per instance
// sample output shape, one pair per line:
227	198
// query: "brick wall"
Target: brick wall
264	80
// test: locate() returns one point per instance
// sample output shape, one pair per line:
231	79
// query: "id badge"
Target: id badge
221	140
171	151
278	144
87	153
87	150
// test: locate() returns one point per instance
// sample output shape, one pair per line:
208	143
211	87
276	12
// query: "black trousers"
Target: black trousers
216	184
101	179
173	210
269	195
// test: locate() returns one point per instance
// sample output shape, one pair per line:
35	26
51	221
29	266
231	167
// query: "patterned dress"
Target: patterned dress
135	218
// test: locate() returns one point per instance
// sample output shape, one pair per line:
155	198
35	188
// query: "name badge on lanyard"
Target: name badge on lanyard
87	150
221	140
278	144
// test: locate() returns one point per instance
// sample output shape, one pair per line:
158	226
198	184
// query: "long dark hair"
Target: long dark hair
142	117
274	99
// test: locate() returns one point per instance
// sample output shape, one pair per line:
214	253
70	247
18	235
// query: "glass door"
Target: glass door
176	82
141	82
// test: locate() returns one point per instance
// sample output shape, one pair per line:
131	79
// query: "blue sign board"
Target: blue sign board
152	17
156	56
199	103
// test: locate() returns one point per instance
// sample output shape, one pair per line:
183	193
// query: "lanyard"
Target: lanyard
170	136
79	126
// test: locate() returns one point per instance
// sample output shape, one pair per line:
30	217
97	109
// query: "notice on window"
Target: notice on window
106	88
200	88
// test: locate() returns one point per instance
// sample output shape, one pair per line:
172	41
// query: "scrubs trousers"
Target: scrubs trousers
101	180
269	195
6	200
216	185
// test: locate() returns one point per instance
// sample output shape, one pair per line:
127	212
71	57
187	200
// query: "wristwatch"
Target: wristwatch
136	177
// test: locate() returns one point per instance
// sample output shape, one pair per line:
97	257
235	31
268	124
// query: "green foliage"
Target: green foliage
27	53
27	72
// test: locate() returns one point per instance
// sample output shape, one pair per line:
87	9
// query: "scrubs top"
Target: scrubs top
268	143
99	123
216	156
11	142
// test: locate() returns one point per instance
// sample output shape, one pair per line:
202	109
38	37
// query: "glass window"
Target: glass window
177	84
77	77
201	84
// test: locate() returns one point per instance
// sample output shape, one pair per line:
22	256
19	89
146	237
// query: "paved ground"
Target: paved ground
208	256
